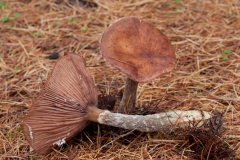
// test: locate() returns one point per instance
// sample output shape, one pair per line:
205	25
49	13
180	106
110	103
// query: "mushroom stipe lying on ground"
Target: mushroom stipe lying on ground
67	104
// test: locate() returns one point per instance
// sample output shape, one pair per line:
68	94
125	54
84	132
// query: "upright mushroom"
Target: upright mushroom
67	103
139	50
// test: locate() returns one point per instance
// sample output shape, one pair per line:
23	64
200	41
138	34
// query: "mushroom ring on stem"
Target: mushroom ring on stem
67	103
139	50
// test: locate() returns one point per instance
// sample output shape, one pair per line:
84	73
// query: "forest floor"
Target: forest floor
206	39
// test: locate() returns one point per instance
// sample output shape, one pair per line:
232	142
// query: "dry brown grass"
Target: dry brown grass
200	31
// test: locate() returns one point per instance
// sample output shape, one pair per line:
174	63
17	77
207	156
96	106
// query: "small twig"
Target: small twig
164	140
226	98
60	153
231	136
121	136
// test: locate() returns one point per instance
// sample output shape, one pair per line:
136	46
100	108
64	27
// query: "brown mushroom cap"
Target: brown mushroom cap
138	49
60	110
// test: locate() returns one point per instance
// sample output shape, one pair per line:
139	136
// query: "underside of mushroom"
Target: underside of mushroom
68	102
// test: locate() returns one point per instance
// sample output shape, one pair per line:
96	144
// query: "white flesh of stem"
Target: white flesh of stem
154	122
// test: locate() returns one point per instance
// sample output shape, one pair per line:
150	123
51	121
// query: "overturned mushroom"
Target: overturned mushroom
67	103
139	50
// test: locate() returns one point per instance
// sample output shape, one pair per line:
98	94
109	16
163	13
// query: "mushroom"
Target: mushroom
139	50
67	104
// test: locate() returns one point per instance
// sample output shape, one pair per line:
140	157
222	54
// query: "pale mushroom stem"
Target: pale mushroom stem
129	96
148	123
